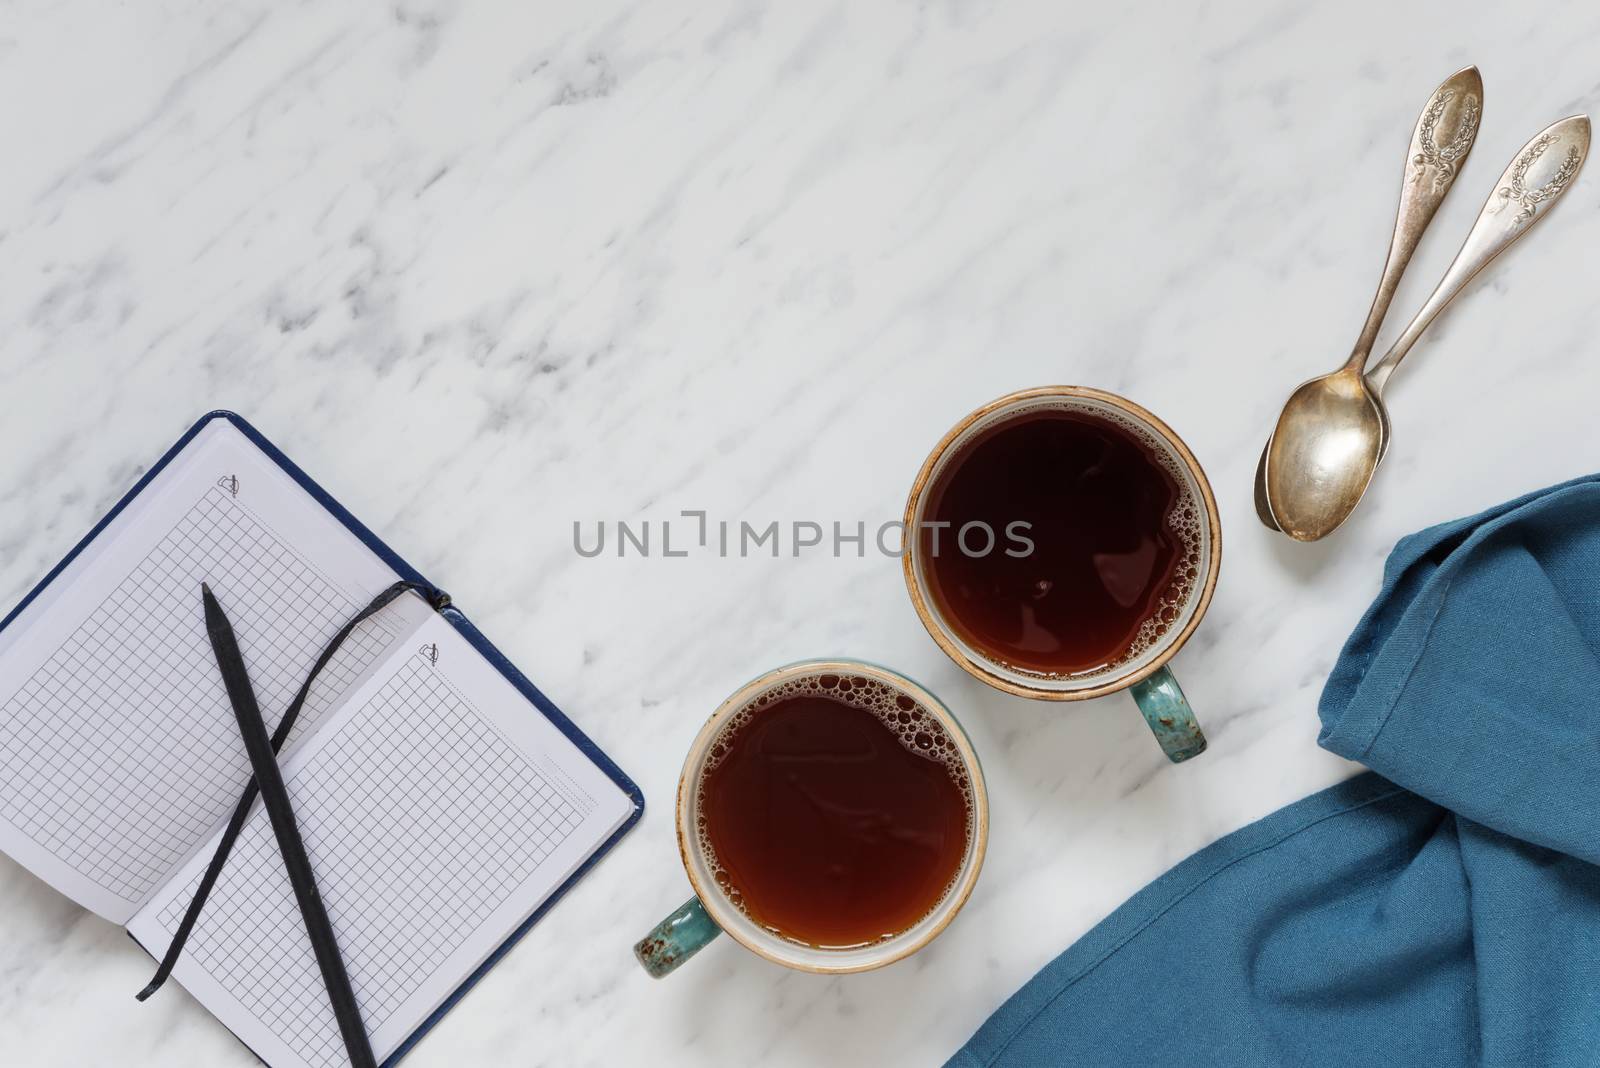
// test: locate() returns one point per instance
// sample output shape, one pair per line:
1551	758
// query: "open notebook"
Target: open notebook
443	800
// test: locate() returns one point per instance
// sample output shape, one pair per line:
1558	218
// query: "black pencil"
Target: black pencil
275	798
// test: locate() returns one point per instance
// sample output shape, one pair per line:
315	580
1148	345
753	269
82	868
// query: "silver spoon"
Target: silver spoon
1326	449
1456	105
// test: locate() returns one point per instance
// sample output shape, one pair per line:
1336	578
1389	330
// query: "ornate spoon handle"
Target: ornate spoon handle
1543	170
1444	135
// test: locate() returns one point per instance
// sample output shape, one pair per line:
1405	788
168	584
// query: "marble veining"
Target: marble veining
487	269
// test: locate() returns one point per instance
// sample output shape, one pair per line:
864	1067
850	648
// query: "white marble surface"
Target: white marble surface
489	268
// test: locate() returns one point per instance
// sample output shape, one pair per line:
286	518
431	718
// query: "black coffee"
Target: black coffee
836	812
1114	538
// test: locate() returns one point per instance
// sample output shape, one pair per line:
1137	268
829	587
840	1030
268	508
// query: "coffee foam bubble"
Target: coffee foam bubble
913	726
1186	520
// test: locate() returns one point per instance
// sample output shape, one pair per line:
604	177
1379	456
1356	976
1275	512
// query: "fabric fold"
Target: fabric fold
1473	680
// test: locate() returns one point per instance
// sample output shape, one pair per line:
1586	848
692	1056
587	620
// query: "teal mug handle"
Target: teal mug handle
676	938
1167	711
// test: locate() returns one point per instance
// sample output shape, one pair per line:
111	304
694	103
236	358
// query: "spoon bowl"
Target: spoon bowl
1264	506
1323	453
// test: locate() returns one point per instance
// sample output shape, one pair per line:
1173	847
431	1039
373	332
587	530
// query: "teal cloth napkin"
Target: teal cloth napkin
1444	911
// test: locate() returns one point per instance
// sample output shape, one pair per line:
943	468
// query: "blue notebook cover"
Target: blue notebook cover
453	615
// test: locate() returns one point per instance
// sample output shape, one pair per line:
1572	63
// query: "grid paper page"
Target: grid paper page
120	752
421	821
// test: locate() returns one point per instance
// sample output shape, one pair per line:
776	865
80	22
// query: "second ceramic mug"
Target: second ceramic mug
1154	688
712	911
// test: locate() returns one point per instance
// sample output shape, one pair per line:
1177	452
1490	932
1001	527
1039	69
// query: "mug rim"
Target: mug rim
982	669
711	898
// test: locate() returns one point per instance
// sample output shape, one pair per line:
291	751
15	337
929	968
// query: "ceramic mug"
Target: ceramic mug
1147	676
710	912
